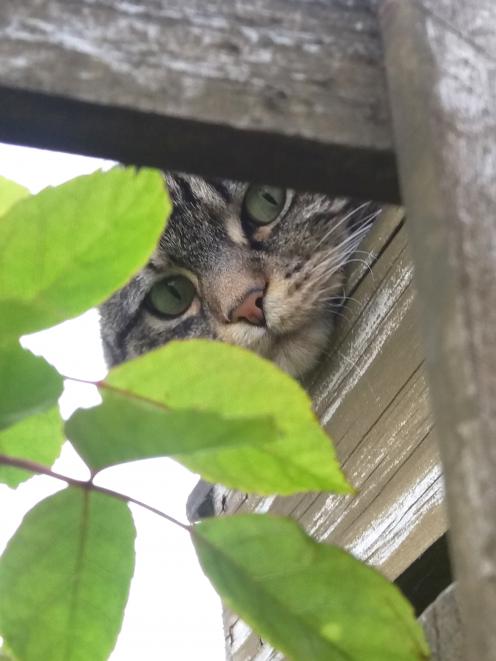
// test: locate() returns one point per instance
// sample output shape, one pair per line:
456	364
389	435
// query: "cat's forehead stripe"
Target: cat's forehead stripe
221	190
211	194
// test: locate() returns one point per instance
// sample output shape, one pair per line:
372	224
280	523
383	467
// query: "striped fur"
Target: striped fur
301	257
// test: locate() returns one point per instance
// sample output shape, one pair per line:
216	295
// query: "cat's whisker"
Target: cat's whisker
368	256
323	282
341	314
359	260
364	263
334	227
353	300
329	266
344	300
342	308
352	242
346	247
343	250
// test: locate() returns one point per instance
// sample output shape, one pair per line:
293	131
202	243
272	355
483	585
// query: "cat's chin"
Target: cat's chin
256	338
296	352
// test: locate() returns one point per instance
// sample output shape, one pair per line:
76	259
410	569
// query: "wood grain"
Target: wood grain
372	396
441	59
443	627
247	90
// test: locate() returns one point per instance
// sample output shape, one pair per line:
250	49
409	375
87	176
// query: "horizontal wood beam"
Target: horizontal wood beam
284	91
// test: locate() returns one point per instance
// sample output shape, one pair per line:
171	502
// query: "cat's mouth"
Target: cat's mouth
294	328
295	350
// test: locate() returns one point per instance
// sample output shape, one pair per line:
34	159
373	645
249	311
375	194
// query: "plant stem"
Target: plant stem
33	467
78	380
121	391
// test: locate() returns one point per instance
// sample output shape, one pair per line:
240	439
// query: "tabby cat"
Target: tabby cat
253	265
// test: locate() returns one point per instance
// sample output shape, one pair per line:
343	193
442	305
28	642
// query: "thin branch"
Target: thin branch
78	380
132	395
121	391
33	467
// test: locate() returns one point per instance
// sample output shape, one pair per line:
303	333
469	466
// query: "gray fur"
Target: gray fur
301	257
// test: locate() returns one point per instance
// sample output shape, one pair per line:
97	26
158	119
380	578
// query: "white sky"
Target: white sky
173	612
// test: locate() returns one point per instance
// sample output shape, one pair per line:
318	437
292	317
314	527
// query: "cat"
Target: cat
254	265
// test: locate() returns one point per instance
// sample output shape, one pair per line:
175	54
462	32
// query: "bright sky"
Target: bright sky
173	612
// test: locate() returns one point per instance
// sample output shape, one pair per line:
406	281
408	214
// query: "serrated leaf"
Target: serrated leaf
234	383
64	578
37	438
28	384
68	248
10	193
310	600
123	429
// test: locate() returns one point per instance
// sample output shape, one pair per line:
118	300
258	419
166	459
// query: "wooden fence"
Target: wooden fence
301	93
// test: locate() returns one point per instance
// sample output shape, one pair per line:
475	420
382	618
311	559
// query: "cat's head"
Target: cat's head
252	265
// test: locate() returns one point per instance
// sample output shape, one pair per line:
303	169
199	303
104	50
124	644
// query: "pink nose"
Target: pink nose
250	309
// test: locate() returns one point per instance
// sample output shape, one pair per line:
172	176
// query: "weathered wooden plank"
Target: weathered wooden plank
371	394
285	91
441	60
443	627
389	451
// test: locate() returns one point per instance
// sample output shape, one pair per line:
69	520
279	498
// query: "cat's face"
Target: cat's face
250	265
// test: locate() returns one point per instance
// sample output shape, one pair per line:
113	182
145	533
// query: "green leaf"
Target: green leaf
64	578
310	600
125	429
10	193
5	655
233	383
37	438
68	248
28	384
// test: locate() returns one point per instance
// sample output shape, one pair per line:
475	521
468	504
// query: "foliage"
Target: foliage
220	410
10	193
66	603
313	601
37	438
55	242
29	384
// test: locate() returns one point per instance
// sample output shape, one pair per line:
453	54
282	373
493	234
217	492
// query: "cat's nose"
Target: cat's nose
250	309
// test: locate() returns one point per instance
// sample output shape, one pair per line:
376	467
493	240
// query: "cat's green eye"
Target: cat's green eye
263	204
171	296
